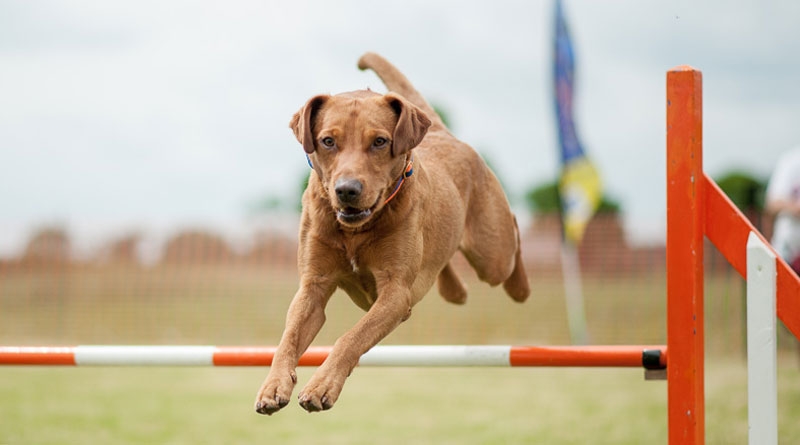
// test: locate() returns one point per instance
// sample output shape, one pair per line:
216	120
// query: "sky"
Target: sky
158	115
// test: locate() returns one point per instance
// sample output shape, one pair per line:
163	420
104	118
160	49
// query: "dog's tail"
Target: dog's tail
397	82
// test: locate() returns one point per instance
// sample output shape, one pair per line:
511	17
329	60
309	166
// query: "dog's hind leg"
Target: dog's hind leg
451	288
517	286
491	241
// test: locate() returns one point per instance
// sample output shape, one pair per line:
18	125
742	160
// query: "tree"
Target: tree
443	114
544	199
745	190
273	202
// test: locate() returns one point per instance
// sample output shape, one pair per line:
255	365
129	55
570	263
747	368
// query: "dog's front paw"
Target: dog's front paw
275	392
321	392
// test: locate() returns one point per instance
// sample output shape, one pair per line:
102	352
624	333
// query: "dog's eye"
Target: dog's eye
328	142
380	142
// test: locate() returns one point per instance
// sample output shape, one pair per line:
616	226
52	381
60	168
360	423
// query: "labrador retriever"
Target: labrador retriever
391	198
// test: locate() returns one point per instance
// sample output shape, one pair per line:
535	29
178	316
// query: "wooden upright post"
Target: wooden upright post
685	226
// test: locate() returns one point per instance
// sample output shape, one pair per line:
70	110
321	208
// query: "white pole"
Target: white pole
99	355
437	355
573	293
762	386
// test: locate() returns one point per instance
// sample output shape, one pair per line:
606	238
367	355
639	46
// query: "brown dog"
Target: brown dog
392	197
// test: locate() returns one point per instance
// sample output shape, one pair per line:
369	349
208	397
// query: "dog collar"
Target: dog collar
406	173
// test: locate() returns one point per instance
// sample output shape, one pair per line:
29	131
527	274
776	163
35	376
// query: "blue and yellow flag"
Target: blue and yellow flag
579	185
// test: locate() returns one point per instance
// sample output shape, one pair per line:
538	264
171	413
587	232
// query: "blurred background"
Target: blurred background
150	186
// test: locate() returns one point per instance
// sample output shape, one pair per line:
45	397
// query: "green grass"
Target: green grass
378	406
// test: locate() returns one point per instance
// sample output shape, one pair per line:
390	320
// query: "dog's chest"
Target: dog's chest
356	276
360	286
361	274
353	248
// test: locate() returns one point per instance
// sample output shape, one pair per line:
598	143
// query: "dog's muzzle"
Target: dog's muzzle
348	193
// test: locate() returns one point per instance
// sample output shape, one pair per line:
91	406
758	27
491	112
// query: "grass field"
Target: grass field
378	406
235	305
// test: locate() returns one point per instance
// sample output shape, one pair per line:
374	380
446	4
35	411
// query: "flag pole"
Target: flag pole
573	293
579	186
572	282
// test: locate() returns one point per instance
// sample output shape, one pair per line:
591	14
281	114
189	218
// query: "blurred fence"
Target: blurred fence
202	290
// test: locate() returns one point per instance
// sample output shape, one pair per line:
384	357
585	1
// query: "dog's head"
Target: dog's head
359	144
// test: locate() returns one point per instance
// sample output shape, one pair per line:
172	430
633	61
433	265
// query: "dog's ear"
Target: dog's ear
412	124
303	121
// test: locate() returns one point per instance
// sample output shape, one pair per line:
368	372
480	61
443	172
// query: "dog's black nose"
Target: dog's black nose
348	190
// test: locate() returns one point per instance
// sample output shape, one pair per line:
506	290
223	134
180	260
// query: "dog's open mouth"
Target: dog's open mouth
352	215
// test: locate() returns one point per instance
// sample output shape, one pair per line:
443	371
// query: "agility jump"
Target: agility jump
648	357
696	207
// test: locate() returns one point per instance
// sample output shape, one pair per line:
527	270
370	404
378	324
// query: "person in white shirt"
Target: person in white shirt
783	202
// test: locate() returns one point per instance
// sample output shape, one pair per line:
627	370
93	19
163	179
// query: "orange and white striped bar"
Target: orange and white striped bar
649	357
